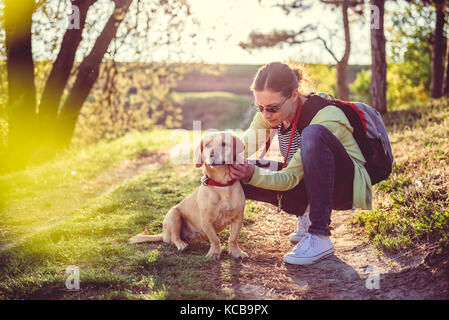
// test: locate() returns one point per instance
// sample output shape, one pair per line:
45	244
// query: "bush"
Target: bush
361	87
324	78
401	89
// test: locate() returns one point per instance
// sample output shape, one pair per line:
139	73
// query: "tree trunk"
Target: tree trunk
88	74
342	65
60	73
439	44
21	86
446	71
378	88
342	85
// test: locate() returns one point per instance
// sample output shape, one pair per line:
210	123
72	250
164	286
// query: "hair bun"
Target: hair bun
298	74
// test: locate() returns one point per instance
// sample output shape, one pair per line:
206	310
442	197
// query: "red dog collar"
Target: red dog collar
208	181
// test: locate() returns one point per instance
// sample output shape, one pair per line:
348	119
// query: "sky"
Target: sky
230	22
226	23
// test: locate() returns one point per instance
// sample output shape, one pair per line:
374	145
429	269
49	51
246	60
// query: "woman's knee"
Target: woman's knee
313	136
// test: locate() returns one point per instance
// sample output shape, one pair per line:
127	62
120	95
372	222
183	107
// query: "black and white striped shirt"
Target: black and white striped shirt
284	137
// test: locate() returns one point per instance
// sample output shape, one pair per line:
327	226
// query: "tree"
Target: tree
258	40
410	57
439	48
438	41
378	86
20	67
342	64
446	71
60	73
50	125
88	73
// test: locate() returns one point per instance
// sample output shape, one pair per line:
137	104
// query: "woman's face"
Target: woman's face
269	98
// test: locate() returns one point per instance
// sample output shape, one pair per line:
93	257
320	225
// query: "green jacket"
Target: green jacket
333	119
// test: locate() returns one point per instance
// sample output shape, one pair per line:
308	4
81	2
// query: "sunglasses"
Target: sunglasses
271	109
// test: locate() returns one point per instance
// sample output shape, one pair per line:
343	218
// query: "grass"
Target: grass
411	209
37	196
224	110
412	206
94	238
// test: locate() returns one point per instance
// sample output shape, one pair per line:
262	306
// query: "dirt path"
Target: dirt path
356	271
131	168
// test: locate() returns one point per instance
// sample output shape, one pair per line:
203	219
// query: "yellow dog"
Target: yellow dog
217	203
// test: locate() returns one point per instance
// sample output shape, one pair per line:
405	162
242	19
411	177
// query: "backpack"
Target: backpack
369	132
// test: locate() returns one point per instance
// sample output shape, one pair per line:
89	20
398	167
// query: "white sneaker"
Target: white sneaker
301	228
310	250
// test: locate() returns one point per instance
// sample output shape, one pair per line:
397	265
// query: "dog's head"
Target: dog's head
218	148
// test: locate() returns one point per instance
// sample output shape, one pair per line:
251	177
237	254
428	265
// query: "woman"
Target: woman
324	167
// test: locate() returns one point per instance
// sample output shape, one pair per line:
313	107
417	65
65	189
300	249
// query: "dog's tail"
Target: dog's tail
145	237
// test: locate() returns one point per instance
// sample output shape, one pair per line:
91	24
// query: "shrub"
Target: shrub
361	87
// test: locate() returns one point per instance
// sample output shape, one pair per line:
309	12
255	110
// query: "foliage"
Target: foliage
401	88
323	77
410	30
135	99
361	87
125	100
2	33
410	58
409	40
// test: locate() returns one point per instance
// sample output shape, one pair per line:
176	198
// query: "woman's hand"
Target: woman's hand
241	169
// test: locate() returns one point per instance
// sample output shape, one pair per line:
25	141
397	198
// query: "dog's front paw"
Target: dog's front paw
239	254
213	254
181	245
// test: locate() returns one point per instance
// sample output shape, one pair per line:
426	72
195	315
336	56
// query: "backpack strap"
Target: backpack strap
357	120
355	117
310	108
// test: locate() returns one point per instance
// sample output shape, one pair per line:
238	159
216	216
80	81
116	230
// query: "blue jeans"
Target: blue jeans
327	184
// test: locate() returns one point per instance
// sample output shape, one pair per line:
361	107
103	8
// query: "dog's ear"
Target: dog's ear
238	144
198	154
